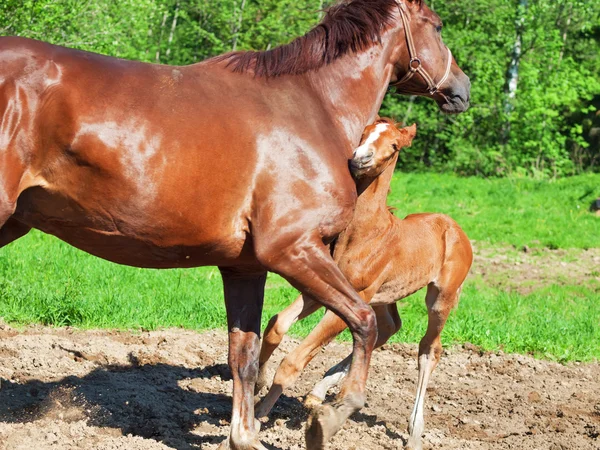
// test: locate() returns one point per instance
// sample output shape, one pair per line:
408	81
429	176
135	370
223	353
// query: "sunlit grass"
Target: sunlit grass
553	214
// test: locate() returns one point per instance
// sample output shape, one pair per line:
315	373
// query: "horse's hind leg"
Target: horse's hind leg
439	304
277	328
11	231
10	228
388	324
244	293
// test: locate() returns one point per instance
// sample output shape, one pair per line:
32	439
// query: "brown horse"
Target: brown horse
240	161
385	259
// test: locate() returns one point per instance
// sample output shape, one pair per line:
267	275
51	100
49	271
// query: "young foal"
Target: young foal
385	259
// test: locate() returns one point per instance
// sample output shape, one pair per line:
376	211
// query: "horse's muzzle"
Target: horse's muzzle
456	98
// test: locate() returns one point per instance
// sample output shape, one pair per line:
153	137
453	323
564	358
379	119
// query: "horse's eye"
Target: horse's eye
438	28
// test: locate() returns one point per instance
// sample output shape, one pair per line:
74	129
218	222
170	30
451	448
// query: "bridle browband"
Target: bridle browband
415	65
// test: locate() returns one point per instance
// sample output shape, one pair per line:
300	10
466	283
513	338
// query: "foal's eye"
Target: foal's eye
438	28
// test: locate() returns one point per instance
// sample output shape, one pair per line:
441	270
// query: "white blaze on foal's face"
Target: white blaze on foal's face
379	144
366	150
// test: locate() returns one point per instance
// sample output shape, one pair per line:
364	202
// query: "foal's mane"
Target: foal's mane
350	26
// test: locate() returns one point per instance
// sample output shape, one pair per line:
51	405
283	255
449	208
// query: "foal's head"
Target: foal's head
380	142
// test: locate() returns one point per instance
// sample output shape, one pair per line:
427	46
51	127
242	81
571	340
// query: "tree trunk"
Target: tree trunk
172	32
237	26
513	69
512	78
566	31
162	29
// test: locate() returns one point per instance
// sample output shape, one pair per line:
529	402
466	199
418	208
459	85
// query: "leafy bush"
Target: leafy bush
548	126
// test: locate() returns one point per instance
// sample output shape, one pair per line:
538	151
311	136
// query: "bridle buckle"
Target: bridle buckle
412	64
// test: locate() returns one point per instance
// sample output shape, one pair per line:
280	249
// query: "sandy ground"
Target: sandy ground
69	389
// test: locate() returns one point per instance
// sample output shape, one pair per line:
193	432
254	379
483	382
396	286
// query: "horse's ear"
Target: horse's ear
407	134
414	3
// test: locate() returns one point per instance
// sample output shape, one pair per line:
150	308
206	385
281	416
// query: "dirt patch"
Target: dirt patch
526	269
69	389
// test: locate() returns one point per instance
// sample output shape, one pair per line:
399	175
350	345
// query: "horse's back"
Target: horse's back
160	166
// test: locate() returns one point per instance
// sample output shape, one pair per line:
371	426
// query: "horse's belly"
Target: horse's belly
135	239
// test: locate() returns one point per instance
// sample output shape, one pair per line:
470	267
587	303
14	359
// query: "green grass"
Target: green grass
553	214
43	280
558	322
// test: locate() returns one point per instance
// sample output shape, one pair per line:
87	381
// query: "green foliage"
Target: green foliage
541	131
550	128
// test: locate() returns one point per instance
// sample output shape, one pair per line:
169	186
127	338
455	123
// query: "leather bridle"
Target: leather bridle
415	65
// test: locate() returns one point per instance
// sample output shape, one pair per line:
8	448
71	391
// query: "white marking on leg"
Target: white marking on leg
416	423
332	378
363	150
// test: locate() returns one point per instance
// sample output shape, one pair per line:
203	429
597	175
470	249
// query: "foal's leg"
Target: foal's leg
277	328
388	324
307	264
439	304
292	365
244	293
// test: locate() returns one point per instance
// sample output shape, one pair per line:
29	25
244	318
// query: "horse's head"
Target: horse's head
425	66
380	142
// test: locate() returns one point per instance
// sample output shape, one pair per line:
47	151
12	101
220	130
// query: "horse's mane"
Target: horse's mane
350	26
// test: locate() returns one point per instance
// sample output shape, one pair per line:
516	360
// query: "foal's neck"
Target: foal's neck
372	196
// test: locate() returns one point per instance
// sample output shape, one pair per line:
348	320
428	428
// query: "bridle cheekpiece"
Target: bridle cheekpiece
415	66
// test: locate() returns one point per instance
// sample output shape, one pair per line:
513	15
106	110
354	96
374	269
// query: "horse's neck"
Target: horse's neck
352	88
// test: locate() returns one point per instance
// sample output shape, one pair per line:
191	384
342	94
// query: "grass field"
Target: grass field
553	214
43	280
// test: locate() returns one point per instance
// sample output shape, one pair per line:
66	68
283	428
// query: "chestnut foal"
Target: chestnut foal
385	259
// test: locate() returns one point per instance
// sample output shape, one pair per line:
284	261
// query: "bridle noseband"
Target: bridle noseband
415	65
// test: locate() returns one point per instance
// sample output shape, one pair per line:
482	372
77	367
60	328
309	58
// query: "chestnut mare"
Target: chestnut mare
385	259
240	161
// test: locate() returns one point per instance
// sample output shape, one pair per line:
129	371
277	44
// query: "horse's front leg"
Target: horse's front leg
307	264
244	294
388	324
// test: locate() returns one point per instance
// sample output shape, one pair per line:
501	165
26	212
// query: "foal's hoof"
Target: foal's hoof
228	445
321	426
414	444
312	401
262	381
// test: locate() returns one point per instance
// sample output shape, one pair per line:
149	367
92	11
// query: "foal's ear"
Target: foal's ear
407	134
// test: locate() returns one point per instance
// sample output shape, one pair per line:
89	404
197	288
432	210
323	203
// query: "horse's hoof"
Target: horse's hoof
312	401
321	426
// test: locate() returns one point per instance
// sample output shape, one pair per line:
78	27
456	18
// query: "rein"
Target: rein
415	65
